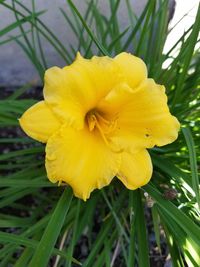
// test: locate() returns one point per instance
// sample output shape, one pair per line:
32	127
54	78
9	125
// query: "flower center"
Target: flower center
96	121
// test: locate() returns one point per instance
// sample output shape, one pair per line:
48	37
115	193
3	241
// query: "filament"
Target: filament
94	120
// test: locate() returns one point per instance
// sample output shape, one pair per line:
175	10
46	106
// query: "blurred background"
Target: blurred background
15	67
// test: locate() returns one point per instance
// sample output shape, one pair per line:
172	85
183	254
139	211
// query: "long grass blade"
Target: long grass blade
193	162
45	247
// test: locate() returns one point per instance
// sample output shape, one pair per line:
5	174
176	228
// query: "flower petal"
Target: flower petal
59	94
39	122
136	169
103	72
145	121
132	68
76	89
115	100
81	159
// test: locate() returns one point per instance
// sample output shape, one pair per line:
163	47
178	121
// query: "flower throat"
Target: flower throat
96	121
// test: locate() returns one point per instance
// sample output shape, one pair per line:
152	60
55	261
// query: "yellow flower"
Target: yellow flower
97	118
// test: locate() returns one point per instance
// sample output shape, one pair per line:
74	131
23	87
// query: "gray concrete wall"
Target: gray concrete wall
15	67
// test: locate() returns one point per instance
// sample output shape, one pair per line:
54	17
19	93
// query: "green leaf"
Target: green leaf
132	246
193	162
176	214
174	251
75	226
185	242
45	247
143	250
156	224
16	24
22	241
191	42
116	217
91	34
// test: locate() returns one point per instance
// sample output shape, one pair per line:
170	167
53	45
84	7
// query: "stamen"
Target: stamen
91	121
104	126
98	116
102	133
110	124
105	139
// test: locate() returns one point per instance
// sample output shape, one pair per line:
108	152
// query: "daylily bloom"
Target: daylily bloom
98	118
